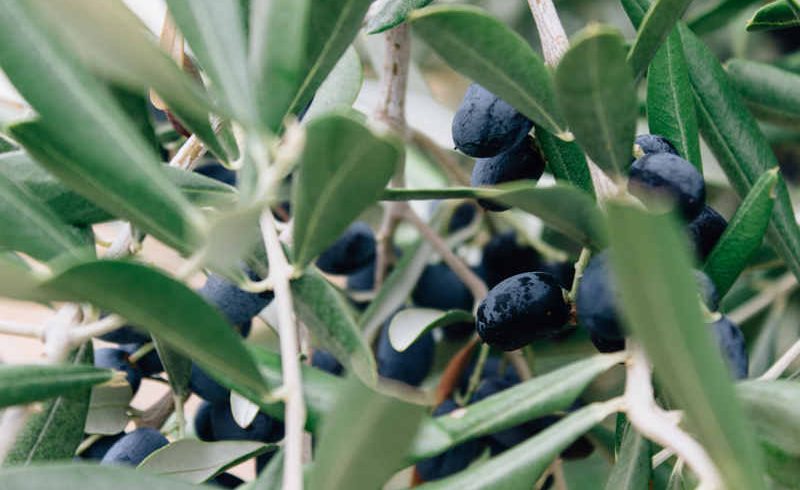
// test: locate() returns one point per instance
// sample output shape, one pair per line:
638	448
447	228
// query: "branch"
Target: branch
392	112
20	329
475	284
655	424
753	306
551	33
85	333
782	364
292	390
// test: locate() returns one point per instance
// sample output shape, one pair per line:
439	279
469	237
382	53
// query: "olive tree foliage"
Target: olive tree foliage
318	109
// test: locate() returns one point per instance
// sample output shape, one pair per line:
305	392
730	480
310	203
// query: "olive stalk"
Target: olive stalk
659	426
391	111
8	327
280	273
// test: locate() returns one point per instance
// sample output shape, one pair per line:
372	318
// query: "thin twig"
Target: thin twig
753	306
391	111
652	422
21	329
446	160
783	363
551	33
85	333
474	283
292	390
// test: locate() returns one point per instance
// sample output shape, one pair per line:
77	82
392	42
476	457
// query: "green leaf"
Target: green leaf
658	22
215	33
632	470
486	50
526	401
670	101
340	90
652	267
55	432
565	208
129	186
342	171
87	477
167	308
27	225
770	92
635	10
744	233
518	468
278	33
737	142
566	161
332	27
231	236
196	461
386	14
271	476
18	281
411	323
178	367
75	209
327	315
108	409
595	88
320	389
22	384
357	447
397	287
775	15
773	407
718	15
112	41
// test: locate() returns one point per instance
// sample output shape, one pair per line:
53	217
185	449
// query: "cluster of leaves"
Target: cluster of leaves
90	156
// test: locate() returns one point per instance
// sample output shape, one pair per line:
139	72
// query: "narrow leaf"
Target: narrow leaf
167	308
775	15
486	50
87	477
718	15
340	90
411	323
55	432
566	161
744	233
332	28
108	409
342	171
128	187
595	88
518	468
670	101
177	366
215	32
327	315
375	449
654	29
278	32
320	389
27	225
385	14
736	140
539	396
772	408
114	43
196	461
770	92
632	470
565	208
22	384
652	267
